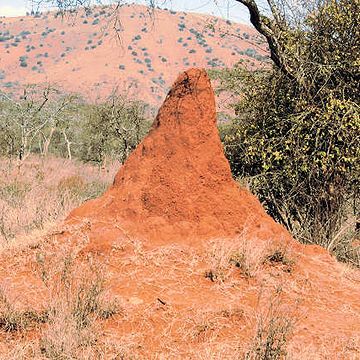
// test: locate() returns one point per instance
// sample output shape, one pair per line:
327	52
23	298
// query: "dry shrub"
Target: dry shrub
74	184
68	327
78	301
280	254
12	319
249	255
224	254
274	325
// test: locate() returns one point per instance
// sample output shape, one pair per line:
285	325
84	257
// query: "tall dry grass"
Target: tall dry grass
43	191
68	327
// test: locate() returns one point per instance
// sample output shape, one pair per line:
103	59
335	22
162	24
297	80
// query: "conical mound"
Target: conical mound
177	184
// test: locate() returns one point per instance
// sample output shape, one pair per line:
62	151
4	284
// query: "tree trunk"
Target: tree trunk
47	142
68	145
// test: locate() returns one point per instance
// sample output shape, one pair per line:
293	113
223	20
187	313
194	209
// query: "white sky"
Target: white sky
228	9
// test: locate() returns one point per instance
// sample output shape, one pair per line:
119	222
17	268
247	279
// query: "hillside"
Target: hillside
82	53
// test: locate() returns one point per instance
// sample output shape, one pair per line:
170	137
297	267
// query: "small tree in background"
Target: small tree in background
113	129
27	125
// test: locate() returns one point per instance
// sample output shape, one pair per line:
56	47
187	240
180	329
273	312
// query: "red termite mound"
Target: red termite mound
177	184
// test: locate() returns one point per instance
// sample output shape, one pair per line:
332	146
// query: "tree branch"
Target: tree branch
266	27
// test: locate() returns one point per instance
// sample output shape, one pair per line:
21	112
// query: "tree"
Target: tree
297	128
113	129
31	121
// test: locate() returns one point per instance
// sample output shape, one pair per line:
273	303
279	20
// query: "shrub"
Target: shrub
70	330
295	138
181	26
114	129
12	320
273	327
250	52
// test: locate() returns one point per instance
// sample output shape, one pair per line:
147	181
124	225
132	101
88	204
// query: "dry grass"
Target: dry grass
43	191
273	328
12	319
69	327
248	255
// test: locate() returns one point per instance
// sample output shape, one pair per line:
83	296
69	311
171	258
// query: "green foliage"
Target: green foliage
28	125
295	139
113	129
45	122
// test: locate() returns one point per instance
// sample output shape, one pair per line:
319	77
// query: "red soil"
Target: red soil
172	216
177	184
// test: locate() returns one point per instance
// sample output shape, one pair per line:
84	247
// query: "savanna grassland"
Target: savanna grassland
226	228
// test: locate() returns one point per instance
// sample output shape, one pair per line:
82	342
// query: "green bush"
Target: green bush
113	129
296	141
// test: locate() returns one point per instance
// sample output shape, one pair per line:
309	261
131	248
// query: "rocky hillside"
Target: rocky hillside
130	49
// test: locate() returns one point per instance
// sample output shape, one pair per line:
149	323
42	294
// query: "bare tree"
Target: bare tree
34	118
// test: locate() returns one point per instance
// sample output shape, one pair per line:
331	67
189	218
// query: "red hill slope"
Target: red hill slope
83	54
